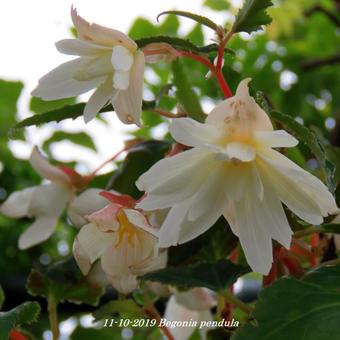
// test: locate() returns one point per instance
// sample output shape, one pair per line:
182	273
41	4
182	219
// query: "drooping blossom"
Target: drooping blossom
124	241
192	306
45	203
108	61
234	171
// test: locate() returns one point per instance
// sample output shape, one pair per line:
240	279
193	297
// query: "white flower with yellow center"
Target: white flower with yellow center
124	241
233	170
109	61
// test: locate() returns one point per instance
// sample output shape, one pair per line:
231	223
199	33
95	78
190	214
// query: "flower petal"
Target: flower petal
81	48
169	187
128	103
189	132
81	257
86	203
124	284
45	169
93	68
94	242
105	219
122	58
100	34
140	221
303	193
276	139
240	114
39	231
197	299
254	237
18	203
241	151
121	80
98	100
59	83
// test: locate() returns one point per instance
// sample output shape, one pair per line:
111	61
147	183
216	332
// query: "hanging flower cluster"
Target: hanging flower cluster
227	166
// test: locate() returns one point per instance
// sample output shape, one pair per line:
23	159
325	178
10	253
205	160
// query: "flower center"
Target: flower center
126	229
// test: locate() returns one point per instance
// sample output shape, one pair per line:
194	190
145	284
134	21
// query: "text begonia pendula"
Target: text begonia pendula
45	202
109	61
233	170
124	241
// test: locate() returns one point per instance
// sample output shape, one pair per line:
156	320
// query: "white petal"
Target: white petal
81	257
197	299
45	169
105	219
124	284
98	100
49	200
121	80
100	34
139	220
93	68
86	203
18	203
255	240
241	151
189	132
81	48
170	187
93	241
276	139
208	195
128	103
121	59
240	114
39	231
302	192
176	312
59	83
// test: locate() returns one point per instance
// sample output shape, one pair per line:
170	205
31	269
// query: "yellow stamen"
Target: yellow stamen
125	229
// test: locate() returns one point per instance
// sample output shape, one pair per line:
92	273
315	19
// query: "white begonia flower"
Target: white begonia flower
233	170
109	61
45	202
124	241
191	306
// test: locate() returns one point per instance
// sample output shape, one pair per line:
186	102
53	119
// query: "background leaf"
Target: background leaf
185	93
25	313
216	276
252	15
306	309
64	281
198	18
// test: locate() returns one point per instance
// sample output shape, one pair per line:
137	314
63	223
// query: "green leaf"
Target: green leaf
67	112
196	35
10	92
142	28
138	160
217	5
252	16
125	308
293	309
216	276
198	18
25	313
64	281
38	105
179	43
2	297
80	138
185	93
307	136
